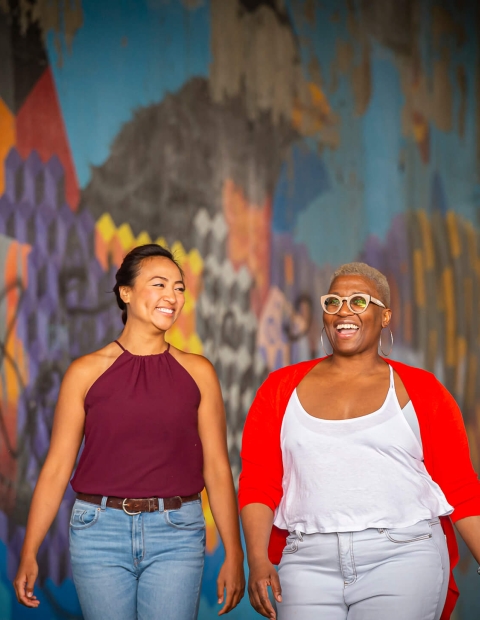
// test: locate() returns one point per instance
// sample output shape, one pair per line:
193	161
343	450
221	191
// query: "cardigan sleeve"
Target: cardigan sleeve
450	456
262	469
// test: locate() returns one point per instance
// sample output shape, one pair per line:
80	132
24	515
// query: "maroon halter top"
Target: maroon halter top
141	430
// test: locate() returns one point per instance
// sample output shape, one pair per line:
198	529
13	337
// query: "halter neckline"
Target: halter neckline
151	355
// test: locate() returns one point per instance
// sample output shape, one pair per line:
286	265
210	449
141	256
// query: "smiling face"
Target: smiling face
157	295
351	333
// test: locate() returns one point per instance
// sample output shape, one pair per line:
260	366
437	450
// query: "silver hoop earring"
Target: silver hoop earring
391	342
322	345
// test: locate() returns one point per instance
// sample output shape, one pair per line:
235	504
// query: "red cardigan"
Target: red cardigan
445	449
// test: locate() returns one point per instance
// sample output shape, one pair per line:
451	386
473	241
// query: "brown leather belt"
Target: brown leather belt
136	506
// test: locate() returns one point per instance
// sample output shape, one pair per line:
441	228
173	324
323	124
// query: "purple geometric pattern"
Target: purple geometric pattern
67	310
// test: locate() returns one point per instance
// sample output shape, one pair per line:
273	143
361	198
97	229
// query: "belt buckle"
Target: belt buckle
132	514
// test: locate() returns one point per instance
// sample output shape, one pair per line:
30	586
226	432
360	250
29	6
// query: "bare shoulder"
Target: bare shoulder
198	366
85	370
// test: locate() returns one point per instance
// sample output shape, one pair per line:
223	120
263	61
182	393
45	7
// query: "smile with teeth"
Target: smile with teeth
168	311
347	326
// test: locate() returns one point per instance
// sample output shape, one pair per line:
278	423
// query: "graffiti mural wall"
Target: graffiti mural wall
265	142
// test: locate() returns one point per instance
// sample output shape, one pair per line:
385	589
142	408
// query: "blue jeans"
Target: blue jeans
374	574
143	567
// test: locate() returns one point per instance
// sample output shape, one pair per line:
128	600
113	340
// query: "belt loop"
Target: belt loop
103	505
161	507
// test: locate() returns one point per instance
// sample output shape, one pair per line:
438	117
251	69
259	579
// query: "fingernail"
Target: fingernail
29	594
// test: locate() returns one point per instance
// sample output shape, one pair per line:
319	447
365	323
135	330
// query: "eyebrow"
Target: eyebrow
166	279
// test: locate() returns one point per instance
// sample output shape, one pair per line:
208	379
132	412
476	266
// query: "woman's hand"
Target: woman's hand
231	579
262	575
24	581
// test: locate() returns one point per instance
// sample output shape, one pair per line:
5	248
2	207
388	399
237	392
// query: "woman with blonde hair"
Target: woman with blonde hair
360	464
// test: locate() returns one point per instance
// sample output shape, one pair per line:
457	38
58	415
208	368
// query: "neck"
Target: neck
360	363
140	342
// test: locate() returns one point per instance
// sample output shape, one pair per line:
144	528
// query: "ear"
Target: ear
124	294
386	317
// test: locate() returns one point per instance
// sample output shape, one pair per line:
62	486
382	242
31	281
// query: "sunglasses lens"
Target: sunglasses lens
331	305
358	304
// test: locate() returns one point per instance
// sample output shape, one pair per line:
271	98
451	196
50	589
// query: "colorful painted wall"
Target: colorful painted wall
266	142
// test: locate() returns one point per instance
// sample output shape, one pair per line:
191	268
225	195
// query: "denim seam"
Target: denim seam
407	540
352	556
340	557
85	525
143	543
436	546
199	584
179	527
352	560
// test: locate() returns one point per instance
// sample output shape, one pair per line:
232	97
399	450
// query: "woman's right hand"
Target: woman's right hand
263	574
24	581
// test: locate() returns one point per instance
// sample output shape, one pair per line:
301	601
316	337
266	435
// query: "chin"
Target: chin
345	349
163	324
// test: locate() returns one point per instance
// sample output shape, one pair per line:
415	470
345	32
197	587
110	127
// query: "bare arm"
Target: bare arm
469	530
67	434
219	483
257	520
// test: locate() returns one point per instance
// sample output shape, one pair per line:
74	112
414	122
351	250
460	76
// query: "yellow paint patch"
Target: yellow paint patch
195	261
420	129
211	529
450	316
7	139
427	239
176	338
195	344
126	237
143	239
106	227
419	278
311	112
453	236
161	241
178	252
190	302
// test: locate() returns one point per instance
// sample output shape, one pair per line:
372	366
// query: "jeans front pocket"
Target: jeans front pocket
188	517
412	533
84	515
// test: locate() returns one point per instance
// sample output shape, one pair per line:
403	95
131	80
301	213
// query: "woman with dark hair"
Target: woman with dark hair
155	434
360	464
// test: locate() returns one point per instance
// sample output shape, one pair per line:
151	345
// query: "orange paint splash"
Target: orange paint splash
249	238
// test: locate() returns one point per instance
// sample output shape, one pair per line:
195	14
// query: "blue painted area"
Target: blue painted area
439	198
209	607
332	227
468	606
303	177
128	54
384	187
56	602
329	26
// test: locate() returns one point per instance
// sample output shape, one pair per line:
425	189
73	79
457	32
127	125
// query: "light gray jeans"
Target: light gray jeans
375	574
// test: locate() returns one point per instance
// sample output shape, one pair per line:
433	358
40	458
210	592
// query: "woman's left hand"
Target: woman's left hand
230	584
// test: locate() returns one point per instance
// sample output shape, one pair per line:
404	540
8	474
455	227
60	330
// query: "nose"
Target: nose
344	309
169	295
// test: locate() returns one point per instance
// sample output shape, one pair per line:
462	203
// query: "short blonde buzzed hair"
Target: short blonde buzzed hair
362	269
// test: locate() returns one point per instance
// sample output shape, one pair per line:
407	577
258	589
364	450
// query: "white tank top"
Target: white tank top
350	475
